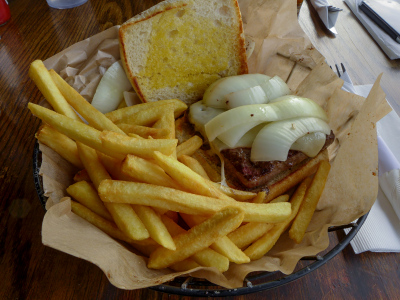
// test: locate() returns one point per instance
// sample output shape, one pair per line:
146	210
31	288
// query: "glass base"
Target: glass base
64	4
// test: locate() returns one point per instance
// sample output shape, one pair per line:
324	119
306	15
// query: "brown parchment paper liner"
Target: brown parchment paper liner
281	48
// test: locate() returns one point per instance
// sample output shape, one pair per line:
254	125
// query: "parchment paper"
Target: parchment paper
281	48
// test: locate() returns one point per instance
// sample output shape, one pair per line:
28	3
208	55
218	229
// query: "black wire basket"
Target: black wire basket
255	282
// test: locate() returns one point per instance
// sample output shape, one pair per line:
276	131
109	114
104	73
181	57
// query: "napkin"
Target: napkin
327	13
381	230
387	44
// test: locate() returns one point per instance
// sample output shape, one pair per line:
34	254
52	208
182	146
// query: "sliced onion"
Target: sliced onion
275	139
199	115
109	92
248	139
252	95
275	88
232	136
291	107
310	144
214	96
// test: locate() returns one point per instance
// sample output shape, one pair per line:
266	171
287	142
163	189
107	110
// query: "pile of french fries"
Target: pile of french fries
139	186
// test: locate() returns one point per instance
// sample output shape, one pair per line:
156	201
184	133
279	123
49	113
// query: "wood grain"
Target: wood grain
30	270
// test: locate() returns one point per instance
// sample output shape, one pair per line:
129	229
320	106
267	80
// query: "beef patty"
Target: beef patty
242	170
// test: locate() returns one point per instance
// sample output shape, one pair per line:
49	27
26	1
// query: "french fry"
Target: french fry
197	238
206	257
190	146
122	104
296	177
134	135
118	143
184	265
307	208
223	245
146	171
235	194
213	174
60	143
82	175
259	198
119	115
248	233
106	226
41	76
123	214
155	226
261	246
114	167
94	117
149	115
73	129
194	165
167	121
113	191
86	195
281	198
186	177
144	131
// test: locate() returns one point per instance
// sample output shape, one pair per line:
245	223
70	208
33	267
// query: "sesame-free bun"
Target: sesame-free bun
177	48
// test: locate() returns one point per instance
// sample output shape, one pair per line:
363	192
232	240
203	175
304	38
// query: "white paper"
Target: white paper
387	44
328	17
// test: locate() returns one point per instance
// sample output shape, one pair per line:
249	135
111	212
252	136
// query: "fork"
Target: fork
332	8
348	84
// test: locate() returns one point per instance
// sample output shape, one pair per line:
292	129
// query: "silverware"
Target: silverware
333	9
338	71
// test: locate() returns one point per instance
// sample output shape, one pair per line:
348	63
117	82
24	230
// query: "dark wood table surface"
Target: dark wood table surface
29	270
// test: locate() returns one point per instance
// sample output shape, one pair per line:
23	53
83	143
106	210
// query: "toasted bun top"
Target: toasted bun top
177	48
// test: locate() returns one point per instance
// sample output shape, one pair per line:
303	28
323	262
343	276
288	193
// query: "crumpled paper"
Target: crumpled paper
327	13
281	48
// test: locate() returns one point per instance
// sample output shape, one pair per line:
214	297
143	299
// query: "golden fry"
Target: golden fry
307	208
60	143
167	121
146	171
73	129
113	191
94	117
223	245
123	214
197	238
248	233
124	145
259	198
190	146
187	178
296	177
41	76
194	165
281	198
156	228
145	132
86	195
103	224
120	115
261	246
82	175
206	257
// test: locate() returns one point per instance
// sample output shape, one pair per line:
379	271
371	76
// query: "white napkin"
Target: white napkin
387	44
381	230
327	13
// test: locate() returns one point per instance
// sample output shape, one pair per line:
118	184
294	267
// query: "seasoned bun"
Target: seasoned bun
177	48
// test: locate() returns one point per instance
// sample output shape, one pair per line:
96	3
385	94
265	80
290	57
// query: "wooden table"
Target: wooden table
31	271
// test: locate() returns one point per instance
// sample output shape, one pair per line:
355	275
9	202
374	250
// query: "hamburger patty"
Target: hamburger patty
253	174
